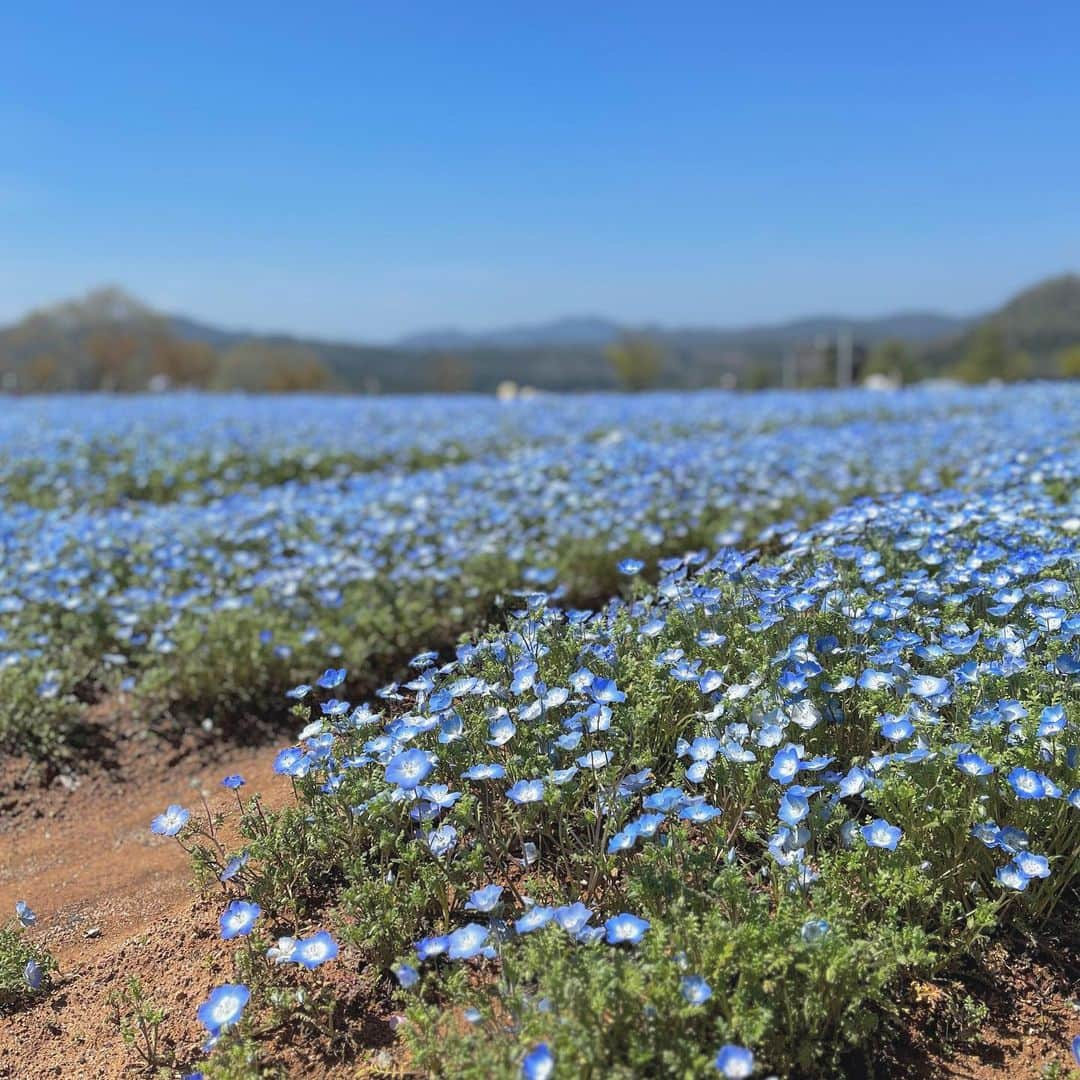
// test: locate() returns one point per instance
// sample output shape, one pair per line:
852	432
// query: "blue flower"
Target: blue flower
238	919
526	791
625	929
33	974
332	678
467	941
315	950
171	822
699	813
223	1007
785	765
813	930
233	782
880	834
630	567
573	917
1026	783
973	765
410	768
484	772
24	914
605	690
734	1062
1012	877
407	976
485	899
534	919
233	867
695	989
538	1063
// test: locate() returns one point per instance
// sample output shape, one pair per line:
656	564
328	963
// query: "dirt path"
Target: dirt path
114	900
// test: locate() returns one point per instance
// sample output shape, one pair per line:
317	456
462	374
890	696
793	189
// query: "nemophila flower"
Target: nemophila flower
1035	866
880	834
699	813
441	841
605	690
315	950
695	989
485	899
630	567
813	930
1076	1049
467	941
1026	783
734	1062
625	929
298	693
928	686
287	760
533	919
538	1063
428	947
238	919
595	759
793	809
33	975
573	917
332	678
406	975
484	772
1052	722
171	822
973	765
409	768
24	914
233	867
223	1007
233	782
282	950
785	765
526	791
1012	877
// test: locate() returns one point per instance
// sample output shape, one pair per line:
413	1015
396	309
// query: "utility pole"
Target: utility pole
845	359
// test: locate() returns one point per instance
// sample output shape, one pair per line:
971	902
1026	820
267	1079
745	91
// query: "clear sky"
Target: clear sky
363	170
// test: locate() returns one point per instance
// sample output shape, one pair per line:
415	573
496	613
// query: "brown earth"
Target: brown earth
113	900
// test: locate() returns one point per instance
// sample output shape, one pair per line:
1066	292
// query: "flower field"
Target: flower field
666	735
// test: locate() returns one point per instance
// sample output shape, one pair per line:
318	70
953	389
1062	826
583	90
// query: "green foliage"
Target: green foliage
138	1019
1069	362
16	952
637	362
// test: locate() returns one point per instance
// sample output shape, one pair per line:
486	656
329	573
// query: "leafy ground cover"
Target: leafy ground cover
715	827
356	534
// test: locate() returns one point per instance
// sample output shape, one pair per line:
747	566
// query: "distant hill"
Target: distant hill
1040	321
111	339
915	327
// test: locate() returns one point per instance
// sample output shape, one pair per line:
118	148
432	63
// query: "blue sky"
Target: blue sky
363	170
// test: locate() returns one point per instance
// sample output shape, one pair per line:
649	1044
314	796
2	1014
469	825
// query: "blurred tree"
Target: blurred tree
271	367
986	355
637	361
450	374
1018	366
895	359
41	374
183	363
112	354
1069	362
